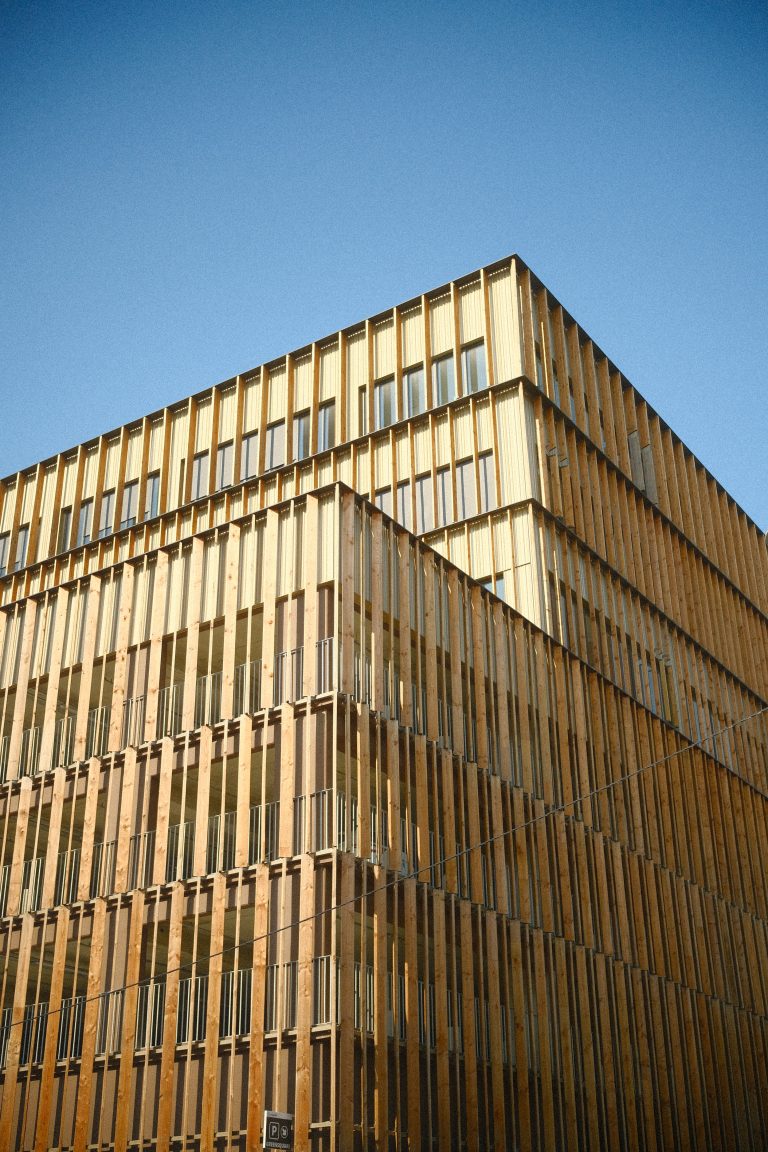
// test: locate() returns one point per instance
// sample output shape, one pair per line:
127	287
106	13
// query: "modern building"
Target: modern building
383	741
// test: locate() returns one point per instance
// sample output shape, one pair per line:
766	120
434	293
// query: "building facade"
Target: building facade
383	740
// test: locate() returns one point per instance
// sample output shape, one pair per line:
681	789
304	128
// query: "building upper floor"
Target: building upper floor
404	384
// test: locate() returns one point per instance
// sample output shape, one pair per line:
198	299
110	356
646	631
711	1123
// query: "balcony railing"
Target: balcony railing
208	699
67	875
110	1023
169	703
97	732
29	757
5	747
134	712
247	688
141	858
103	868
220	854
32	884
5	878
33	1033
63	741
263	832
181	851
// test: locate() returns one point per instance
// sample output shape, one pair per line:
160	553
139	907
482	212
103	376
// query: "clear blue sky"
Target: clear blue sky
189	189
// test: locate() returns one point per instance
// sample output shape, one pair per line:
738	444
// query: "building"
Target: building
383	740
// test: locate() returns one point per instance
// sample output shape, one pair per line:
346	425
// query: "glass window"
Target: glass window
384	500
487	482
224	460
465	489
152	499
200	476
274	455
65	530
5	540
22	540
383	403
84	523
362	411
414	395
130	504
500	592
404	503
444	496
425	517
107	514
326	426
249	458
473	368
443	380
300	435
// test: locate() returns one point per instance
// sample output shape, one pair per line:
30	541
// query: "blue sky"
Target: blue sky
192	188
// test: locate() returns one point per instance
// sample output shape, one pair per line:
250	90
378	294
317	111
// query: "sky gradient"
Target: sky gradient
192	189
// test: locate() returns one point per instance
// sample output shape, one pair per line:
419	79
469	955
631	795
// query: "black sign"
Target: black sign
278	1131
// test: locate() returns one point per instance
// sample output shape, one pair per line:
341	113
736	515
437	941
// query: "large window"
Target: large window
383	500
22	541
224	461
301	435
130	504
487	482
65	530
383	403
443	380
326	426
249	456
444	496
473	368
404	503
414	394
84	523
200	476
466	504
274	446
107	522
425	517
152	496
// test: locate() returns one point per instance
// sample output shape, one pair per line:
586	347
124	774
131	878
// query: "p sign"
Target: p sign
278	1131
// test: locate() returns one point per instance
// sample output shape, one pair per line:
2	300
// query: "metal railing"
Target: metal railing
141	857
67	876
263	832
134	712
208	699
103	868
29	756
109	1028
247	687
181	851
220	854
169	704
97	732
63	741
32	884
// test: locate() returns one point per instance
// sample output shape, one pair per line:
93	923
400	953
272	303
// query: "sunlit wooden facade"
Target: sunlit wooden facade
381	741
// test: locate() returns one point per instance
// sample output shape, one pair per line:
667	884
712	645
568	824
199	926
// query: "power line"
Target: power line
414	874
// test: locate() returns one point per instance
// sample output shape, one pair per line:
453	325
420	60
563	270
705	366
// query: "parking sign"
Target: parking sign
278	1131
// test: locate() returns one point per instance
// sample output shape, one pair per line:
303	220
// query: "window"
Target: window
444	496
65	530
326	426
383	403
465	489
200	476
249	458
130	504
500	591
275	445
224	458
473	368
383	500
404	503
152	501
414	394
487	482
425	517
300	435
5	540
22	540
84	523
107	514
443	380
362	411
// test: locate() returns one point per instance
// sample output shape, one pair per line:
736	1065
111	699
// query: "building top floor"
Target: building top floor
496	325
